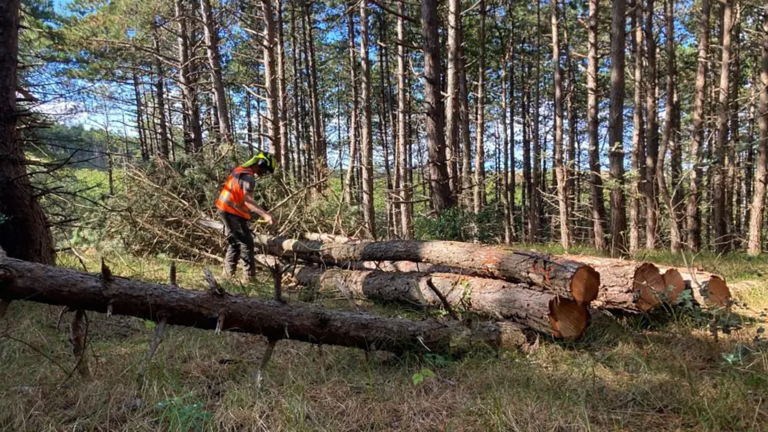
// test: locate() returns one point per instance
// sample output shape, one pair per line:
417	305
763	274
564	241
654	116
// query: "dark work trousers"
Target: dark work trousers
240	242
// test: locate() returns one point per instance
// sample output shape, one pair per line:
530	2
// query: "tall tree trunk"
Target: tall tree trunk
527	180
693	212
596	179
616	129
652	132
466	145
570	97
406	215
366	138
732	191
441	197
297	167
479	190
270	78
754	246
669	139
193	135
384	127
452	93
160	95
284	156
538	185
638	133
143	141
24	231
353	148
214	59
721	218
319	149
511	102
562	185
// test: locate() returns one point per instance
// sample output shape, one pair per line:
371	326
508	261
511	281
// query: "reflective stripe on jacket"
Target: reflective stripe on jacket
232	196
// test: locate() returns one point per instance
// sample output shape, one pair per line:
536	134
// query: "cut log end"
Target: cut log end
569	319
674	285
718	293
648	283
585	284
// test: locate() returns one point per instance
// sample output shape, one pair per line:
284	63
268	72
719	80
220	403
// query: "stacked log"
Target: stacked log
566	278
540	311
549	295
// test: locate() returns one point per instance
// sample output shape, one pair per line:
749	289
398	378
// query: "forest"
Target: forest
483	215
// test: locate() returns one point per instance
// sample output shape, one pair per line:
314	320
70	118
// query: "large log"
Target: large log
565	278
538	310
21	280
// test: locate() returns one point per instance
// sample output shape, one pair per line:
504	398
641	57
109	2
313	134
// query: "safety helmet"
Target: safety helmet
264	160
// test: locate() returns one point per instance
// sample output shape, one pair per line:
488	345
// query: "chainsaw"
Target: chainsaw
212	224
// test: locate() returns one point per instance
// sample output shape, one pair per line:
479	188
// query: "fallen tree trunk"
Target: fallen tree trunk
21	280
540	311
565	278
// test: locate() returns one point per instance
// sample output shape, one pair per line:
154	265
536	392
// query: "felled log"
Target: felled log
21	280
565	278
538	310
631	286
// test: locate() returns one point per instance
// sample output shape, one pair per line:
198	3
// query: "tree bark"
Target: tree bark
366	138
441	197
24	230
353	123
721	218
214	59
754	246
542	312
564	278
693	212
616	129
479	189
562	185
596	180
20	280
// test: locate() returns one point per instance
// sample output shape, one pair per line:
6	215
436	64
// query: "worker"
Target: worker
235	204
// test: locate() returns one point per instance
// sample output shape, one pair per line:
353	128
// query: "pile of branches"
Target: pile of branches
165	207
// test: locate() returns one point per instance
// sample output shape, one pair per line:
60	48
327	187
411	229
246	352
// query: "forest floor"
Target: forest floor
661	372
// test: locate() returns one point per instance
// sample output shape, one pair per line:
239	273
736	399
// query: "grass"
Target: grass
628	373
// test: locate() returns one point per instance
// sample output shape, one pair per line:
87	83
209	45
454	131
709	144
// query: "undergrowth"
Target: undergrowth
660	372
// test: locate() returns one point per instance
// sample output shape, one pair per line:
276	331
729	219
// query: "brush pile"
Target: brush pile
549	294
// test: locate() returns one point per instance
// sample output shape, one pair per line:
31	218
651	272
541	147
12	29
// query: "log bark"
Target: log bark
22	280
568	279
540	311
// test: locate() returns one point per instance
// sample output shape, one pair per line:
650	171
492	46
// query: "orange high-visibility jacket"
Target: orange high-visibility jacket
232	196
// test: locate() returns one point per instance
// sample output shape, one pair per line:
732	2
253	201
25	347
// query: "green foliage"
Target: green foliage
422	375
182	414
461	225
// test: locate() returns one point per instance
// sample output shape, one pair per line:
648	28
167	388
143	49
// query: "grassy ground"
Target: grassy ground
652	373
